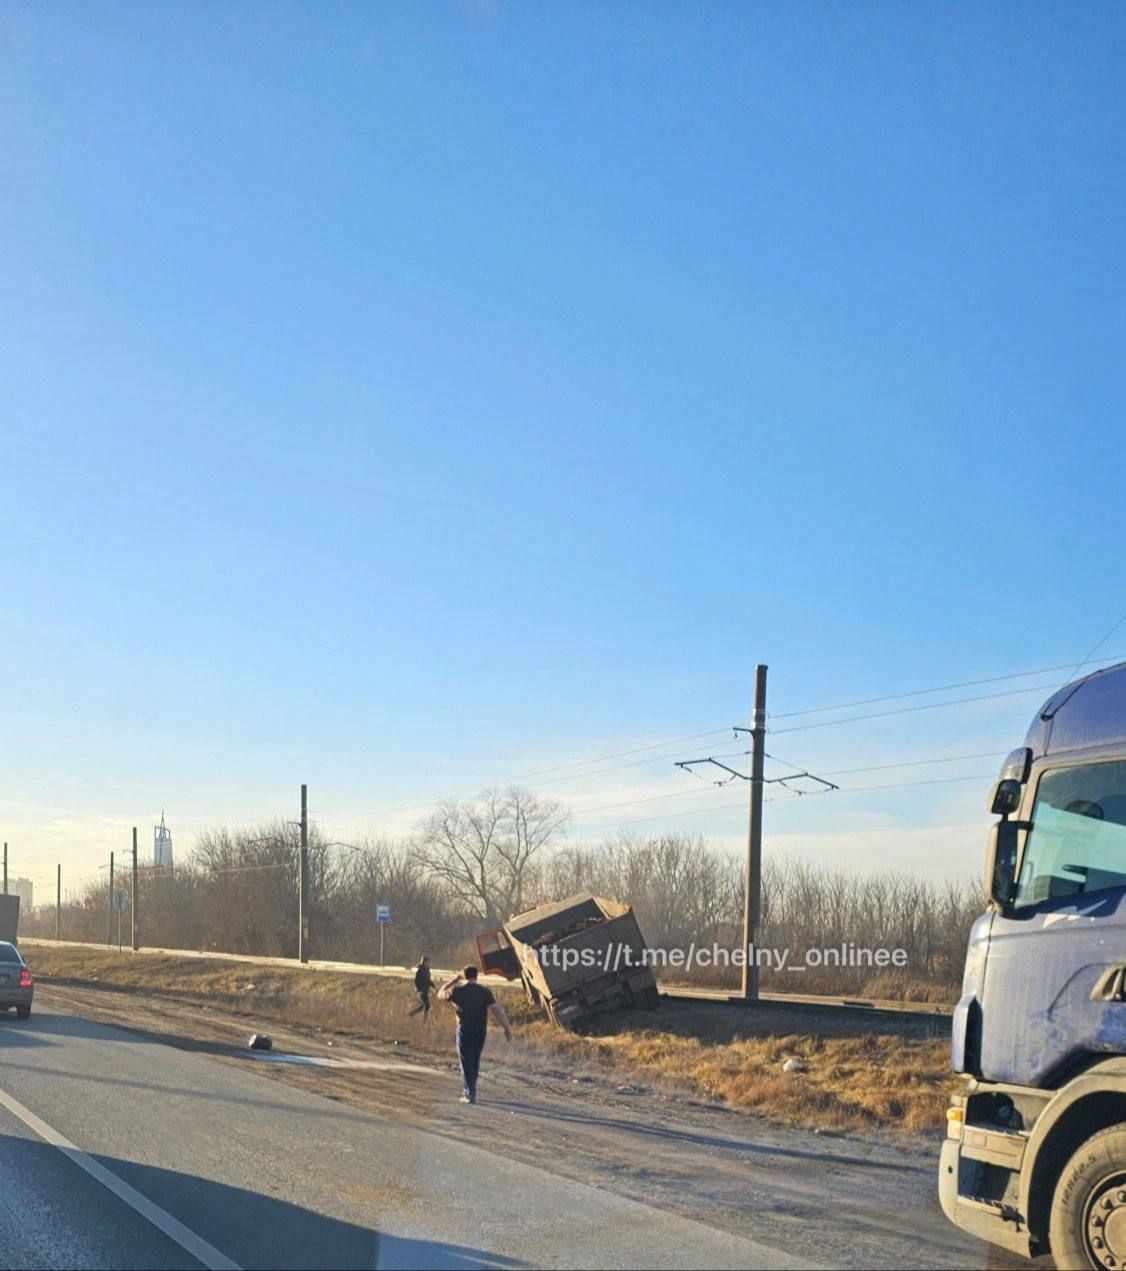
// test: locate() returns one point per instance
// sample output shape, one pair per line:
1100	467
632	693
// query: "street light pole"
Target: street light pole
135	925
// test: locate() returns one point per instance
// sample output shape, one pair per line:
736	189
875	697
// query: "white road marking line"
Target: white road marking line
329	1061
162	1221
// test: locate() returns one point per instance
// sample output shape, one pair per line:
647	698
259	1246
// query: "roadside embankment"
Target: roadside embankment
849	1073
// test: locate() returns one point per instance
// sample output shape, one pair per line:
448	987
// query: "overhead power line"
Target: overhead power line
581	768
711	786
423	802
914	763
637	750
426	801
781	798
1094	649
949	688
908	710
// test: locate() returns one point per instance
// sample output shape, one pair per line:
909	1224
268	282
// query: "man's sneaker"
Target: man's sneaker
465	1099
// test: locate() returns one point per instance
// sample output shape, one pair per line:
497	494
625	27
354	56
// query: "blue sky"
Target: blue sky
401	397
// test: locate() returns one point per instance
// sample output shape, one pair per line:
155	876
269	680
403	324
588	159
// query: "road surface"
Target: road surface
119	1151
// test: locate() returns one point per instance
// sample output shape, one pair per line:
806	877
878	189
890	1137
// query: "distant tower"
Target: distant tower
162	844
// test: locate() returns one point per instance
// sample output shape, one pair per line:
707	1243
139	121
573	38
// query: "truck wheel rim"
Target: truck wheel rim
1105	1225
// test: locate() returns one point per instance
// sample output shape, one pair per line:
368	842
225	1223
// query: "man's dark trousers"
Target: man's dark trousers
469	1047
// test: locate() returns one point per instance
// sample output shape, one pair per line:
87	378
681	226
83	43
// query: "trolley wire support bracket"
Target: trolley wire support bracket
801	774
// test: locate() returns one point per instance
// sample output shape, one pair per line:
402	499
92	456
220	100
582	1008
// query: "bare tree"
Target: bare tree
486	851
485	859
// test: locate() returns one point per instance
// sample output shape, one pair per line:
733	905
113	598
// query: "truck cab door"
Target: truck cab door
497	956
1054	951
1046	997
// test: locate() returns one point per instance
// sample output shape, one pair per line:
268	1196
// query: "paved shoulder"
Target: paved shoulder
275	1176
52	1214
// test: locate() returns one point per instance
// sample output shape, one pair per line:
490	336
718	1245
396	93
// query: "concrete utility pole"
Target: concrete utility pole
303	882
109	904
58	901
752	896
752	891
136	930
5	869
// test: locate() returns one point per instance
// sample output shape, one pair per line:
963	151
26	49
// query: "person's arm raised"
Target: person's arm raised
448	987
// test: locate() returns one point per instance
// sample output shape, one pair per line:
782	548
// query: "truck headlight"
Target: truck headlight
955	1121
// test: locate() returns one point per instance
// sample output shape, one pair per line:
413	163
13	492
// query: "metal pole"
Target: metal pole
752	896
109	911
303	882
58	901
136	930
5	869
382	928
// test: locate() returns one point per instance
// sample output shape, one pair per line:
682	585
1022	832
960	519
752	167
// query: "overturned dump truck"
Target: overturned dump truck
576	958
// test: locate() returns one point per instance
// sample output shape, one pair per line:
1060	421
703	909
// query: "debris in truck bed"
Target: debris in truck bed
553	937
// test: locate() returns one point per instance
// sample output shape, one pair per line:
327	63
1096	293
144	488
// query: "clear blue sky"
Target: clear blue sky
395	397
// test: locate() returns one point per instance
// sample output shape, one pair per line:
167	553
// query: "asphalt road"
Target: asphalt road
119	1151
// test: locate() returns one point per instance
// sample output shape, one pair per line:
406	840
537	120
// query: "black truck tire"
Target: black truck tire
1088	1221
23	1012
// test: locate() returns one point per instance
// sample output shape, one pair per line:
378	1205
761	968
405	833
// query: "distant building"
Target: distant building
162	845
22	888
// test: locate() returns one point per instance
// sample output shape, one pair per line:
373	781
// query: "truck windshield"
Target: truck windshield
1077	842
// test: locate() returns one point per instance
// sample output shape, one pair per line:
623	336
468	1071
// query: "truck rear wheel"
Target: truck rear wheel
1088	1222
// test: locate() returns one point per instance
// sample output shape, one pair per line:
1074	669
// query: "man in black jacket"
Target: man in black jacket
422	988
474	1004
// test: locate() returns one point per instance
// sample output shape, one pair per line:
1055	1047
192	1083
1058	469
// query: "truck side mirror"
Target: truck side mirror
1001	862
1005	798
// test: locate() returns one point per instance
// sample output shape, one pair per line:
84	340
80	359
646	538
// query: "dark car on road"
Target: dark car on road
16	984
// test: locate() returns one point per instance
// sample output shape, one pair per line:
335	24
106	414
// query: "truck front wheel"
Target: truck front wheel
1088	1222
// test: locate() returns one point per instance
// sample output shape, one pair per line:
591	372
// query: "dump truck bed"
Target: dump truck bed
582	955
610	946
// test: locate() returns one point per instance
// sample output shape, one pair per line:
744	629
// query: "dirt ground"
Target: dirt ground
857	1200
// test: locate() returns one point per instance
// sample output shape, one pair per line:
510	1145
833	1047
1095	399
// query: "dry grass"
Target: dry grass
364	1006
856	1075
871	1081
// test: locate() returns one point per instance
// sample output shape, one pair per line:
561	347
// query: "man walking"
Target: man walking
474	1004
422	988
